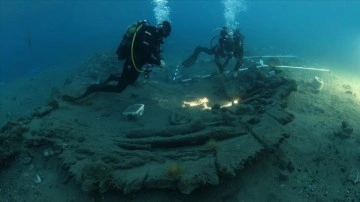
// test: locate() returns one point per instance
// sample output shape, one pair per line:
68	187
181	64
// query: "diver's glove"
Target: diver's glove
162	64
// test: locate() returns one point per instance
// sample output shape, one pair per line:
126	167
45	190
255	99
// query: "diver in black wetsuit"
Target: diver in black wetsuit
140	46
228	46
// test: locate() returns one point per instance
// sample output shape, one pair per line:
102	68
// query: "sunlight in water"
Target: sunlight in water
161	10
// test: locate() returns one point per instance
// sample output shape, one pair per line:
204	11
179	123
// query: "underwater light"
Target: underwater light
230	104
199	102
203	102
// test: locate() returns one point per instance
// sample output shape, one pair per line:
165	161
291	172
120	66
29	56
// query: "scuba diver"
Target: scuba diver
229	45
140	46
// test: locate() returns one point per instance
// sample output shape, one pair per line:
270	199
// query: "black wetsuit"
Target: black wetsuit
226	48
146	51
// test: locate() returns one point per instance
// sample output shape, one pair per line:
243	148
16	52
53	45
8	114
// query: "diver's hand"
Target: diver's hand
162	64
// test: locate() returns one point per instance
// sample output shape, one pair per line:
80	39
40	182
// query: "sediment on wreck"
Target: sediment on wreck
186	155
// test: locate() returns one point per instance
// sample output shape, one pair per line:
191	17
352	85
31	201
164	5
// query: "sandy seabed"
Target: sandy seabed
61	155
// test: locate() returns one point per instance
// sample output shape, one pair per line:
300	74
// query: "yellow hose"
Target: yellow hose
132	49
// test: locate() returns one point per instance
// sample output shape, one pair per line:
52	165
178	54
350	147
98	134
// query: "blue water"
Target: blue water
35	35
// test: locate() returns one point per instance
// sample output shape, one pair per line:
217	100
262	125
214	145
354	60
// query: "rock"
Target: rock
346	128
198	173
49	152
179	117
216	107
341	134
195	173
26	158
283	176
233	154
130	180
345	131
253	120
11	139
15	127
37	179
157	176
290	167
354	176
53	104
280	115
42	111
283	91
242	109
317	84
269	132
346	86
230	89
93	176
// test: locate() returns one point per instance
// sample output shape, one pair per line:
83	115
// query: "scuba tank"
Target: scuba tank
124	49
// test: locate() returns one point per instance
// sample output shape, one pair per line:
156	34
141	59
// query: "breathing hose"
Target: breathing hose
132	49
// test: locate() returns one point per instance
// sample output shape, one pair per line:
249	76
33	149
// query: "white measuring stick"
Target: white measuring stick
270	56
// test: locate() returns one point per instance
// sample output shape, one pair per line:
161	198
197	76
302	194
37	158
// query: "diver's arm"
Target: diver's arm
155	57
153	43
154	61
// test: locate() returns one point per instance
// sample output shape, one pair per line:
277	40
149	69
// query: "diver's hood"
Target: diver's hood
165	28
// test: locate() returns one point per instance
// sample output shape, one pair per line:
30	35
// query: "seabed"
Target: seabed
266	135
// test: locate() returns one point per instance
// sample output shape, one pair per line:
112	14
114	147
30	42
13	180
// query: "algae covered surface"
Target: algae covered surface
282	138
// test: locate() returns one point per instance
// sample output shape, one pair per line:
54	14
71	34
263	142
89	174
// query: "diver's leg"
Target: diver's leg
112	77
130	74
192	59
238	64
128	77
97	88
102	87
226	61
91	89
219	63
